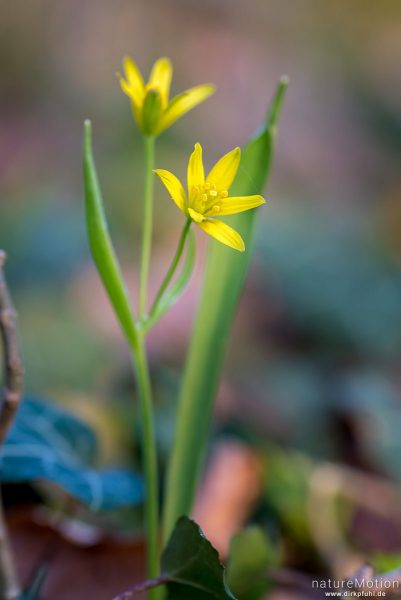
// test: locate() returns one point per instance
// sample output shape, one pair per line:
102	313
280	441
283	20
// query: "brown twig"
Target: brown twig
143	587
290	579
13	370
364	581
11	398
389	583
9	585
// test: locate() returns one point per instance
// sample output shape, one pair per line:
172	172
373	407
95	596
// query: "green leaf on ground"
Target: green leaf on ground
251	554
192	565
47	443
190	568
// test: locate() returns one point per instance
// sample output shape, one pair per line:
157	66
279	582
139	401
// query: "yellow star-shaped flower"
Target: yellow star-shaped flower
153	111
208	197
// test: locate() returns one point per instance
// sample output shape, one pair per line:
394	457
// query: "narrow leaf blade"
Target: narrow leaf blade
100	243
224	279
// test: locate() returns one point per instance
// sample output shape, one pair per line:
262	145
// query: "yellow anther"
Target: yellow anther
207	186
213	186
203	197
223	194
216	208
213	193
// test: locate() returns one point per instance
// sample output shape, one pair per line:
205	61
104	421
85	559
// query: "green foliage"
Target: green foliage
190	568
287	489
101	245
47	443
224	279
384	562
251	553
192	565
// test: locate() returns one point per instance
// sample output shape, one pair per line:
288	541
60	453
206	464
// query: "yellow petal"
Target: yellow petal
160	78
224	171
223	233
236	204
182	103
174	187
195	216
196	174
133	86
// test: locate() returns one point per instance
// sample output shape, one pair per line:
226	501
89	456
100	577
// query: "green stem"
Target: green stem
149	461
149	143
144	384
148	433
110	273
173	266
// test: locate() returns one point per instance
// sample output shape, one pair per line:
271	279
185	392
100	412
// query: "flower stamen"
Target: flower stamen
209	200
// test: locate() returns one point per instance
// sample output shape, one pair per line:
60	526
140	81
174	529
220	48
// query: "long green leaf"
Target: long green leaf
101	245
224	279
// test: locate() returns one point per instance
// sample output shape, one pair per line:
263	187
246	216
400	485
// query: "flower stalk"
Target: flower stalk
173	267
141	368
149	147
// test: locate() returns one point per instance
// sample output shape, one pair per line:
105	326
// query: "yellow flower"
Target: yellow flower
208	197
153	111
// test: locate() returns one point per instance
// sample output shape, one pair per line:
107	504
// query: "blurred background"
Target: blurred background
311	387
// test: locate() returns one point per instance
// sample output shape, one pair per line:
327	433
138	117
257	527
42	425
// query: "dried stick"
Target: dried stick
13	370
9	585
381	585
11	398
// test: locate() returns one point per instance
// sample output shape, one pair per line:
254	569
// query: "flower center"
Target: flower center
157	89
206	197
